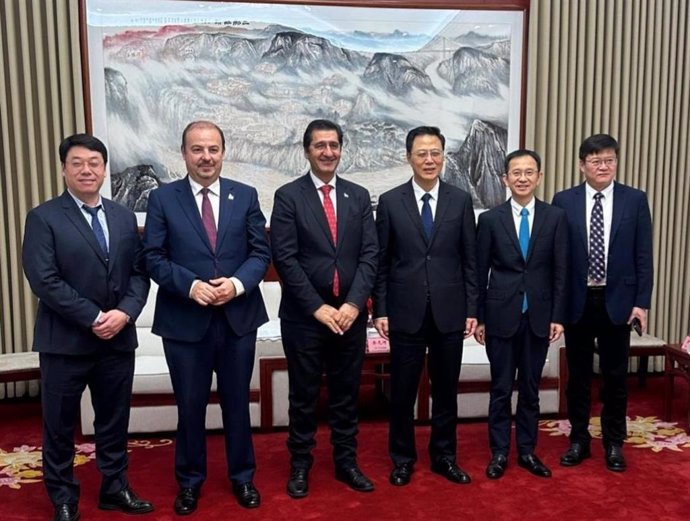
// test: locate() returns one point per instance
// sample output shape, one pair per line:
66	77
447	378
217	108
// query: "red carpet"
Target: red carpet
654	487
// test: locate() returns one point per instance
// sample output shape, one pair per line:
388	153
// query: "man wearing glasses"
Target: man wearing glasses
610	289
522	254
425	298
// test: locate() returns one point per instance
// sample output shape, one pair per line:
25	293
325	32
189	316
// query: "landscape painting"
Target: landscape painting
262	71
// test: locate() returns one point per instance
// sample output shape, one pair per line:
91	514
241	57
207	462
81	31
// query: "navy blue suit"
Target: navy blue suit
603	314
516	340
199	340
70	274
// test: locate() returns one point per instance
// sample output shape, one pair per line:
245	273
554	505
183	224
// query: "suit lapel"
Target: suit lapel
506	218
225	209
619	199
342	210
115	229
537	225
189	207
410	204
75	215
312	201
441	207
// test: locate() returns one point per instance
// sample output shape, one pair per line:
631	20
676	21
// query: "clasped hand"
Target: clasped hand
337	320
215	292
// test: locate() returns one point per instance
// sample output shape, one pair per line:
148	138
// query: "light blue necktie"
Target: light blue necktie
97	228
524	244
427	218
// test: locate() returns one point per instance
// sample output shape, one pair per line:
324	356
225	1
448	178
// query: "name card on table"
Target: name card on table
377	344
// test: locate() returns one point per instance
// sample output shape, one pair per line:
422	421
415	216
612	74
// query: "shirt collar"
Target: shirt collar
214	187
419	191
81	203
606	192
318	183
517	208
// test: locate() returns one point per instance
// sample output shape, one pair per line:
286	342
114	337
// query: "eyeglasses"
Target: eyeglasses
517	174
435	154
93	163
608	161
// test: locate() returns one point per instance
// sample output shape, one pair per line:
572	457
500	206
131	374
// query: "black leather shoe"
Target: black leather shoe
298	483
402	474
576	454
125	501
186	501
355	479
615	460
497	466
246	494
66	512
534	465
450	471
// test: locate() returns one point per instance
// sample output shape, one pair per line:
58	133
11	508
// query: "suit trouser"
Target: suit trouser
525	353
63	380
310	350
192	365
613	343
407	361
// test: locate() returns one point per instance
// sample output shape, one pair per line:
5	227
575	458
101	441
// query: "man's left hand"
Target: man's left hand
470	326
555	331
348	314
640	314
111	324
225	290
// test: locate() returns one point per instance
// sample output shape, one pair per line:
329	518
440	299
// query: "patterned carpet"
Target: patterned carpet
22	465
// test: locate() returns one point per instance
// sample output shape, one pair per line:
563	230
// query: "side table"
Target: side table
677	364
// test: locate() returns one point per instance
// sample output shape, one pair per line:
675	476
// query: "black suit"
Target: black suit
426	288
306	258
72	278
516	340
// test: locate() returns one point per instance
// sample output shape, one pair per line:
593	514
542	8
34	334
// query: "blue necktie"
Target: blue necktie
97	228
524	244
427	218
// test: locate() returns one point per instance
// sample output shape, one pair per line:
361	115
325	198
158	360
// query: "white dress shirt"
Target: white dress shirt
517	218
419	193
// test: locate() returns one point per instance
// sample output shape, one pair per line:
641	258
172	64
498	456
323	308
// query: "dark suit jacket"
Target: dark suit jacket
504	275
70	275
408	261
177	252
629	270
305	256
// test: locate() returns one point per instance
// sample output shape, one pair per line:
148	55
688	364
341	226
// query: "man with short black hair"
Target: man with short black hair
522	254
82	258
324	249
425	297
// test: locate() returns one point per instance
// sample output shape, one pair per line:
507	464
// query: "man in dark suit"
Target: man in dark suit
82	258
522	252
425	297
324	248
609	287
206	246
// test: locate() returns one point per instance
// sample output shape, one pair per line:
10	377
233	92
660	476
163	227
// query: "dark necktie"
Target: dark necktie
597	263
524	244
96	227
427	218
333	226
207	218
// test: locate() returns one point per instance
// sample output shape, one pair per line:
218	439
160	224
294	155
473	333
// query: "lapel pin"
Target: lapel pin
231	197
345	195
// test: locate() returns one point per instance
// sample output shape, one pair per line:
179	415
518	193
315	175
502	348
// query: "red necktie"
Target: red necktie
333	225
207	218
